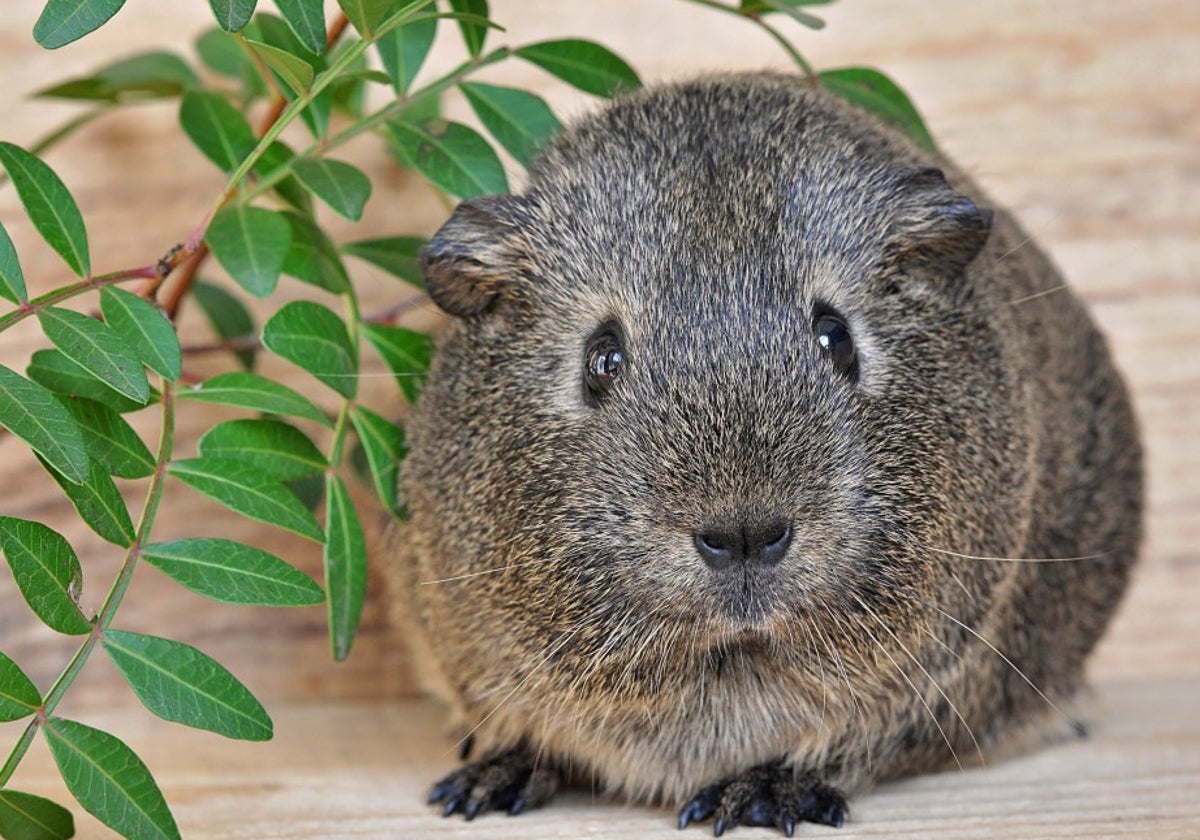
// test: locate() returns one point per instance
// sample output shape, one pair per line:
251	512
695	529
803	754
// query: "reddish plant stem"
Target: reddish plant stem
194	252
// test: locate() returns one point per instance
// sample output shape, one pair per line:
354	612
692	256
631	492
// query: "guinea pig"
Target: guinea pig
758	463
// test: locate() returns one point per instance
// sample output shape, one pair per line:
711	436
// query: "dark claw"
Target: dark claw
502	780
465	746
702	806
770	794
474	806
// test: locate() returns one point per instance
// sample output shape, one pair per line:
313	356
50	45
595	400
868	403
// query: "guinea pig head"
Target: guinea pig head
682	419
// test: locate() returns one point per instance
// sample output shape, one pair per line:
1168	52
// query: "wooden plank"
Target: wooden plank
362	770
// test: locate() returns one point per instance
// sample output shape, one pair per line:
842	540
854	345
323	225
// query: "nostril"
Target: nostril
719	549
771	545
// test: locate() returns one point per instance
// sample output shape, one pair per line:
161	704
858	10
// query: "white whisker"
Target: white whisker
1099	556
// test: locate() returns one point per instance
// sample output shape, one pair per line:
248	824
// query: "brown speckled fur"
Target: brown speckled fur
708	219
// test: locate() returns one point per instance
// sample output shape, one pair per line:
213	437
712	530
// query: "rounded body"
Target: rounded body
858	491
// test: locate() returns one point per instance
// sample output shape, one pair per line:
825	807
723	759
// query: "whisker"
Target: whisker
982	310
1008	662
496	570
929	676
1099	556
840	663
549	655
912	685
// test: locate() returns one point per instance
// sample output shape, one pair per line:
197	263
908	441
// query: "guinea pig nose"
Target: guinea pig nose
761	543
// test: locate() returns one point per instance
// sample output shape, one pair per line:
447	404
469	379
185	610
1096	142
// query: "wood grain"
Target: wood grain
1081	115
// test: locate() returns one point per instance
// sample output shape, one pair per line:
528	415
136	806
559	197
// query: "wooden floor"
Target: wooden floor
361	770
1081	115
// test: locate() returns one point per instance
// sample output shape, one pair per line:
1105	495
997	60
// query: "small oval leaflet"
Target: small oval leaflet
179	683
233	573
109	780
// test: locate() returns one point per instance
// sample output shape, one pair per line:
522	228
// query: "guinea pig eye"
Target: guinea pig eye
603	363
834	337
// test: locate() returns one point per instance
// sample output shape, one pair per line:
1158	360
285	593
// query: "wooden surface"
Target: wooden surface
1083	116
362	770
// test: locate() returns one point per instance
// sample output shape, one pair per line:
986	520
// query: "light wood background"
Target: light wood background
1081	115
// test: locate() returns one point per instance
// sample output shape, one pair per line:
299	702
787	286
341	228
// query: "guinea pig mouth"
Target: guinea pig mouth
744	600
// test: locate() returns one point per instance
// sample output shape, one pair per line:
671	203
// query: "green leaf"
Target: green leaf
33	414
251	244
233	15
872	91
150	75
179	683
295	72
218	130
313	258
64	21
97	349
233	573
383	444
583	64
474	33
19	697
100	505
520	121
343	187
49	205
12	280
220	52
110	440
452	156
157	67
403	50
407	354
314	338
53	370
345	567
397	255
279	155
307	20
281	451
245	490
109	781
24	816
249	390
228	316
754	8
47	573
145	328
366	14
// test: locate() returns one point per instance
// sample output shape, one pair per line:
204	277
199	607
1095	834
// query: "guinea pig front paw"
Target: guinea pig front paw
771	794
502	780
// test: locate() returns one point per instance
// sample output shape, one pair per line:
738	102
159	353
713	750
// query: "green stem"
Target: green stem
115	593
340	427
74	290
374	120
323	80
783	42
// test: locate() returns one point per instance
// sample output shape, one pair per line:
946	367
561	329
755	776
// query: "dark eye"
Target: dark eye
834	337
603	363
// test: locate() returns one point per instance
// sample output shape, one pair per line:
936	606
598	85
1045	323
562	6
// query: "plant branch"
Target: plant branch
115	593
67	292
374	120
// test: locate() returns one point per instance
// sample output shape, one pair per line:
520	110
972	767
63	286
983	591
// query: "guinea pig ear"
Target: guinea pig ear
476	255
935	225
